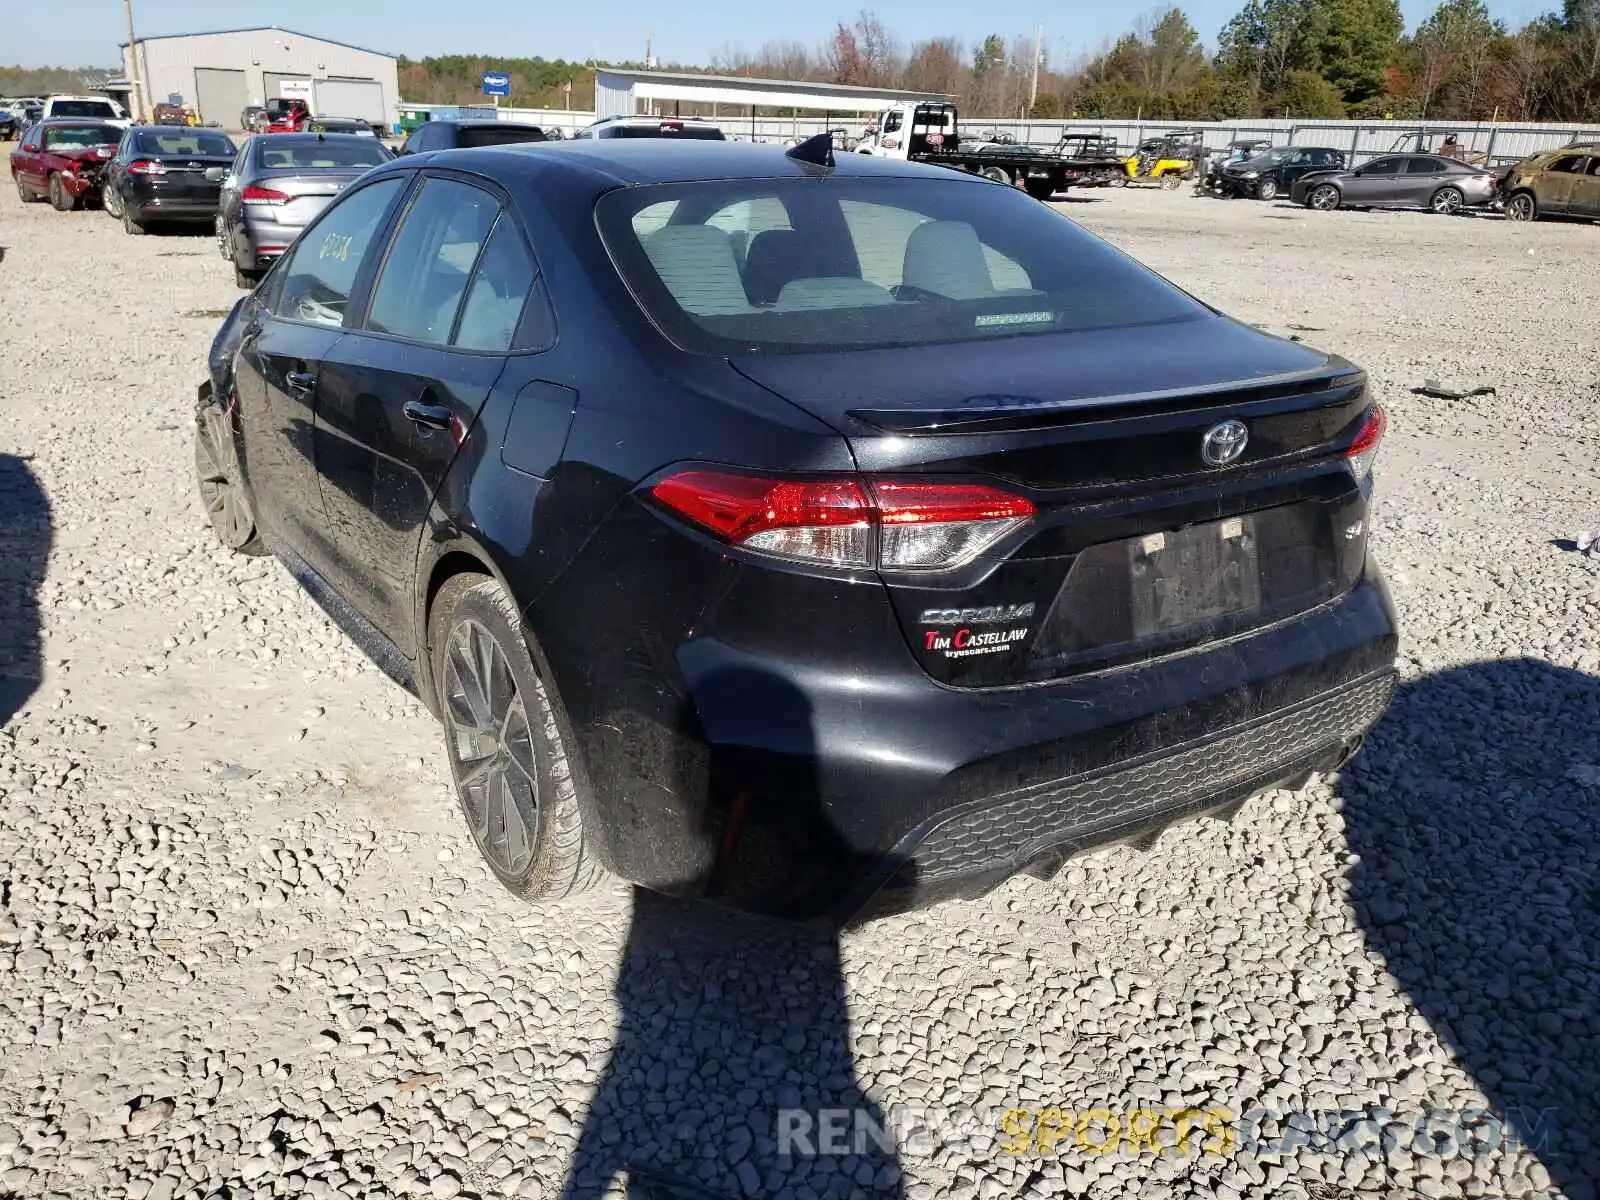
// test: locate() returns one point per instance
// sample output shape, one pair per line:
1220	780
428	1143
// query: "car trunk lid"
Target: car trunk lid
307	193
1139	545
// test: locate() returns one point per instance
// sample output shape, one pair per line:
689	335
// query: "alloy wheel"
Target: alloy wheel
222	238
224	503
1325	199
1521	207
491	746
1447	202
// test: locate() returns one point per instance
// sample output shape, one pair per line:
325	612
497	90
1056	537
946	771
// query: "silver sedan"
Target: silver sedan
279	182
1431	181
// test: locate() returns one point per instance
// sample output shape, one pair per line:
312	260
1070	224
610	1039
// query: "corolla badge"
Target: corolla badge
1224	443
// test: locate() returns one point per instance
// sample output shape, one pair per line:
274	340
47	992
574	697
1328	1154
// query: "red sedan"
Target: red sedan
63	160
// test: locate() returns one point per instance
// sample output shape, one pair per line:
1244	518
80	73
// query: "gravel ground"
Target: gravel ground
247	949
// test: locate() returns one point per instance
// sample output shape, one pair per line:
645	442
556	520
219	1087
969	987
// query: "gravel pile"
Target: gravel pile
246	948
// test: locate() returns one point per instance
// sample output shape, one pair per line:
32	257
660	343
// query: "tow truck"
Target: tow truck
931	133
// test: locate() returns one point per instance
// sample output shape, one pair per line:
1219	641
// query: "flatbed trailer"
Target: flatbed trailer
931	133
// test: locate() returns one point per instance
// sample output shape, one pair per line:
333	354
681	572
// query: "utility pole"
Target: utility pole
1038	53
648	63
135	91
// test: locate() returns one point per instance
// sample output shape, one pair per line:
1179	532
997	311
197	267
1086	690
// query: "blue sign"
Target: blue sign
496	83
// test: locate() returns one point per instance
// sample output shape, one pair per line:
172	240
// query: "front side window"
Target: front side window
327	257
1571	164
1384	166
891	122
870	262
430	261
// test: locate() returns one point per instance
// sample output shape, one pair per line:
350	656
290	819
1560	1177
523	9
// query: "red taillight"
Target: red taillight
841	522
147	166
1364	449
261	195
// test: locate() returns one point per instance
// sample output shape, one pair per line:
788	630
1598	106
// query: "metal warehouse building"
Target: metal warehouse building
222	72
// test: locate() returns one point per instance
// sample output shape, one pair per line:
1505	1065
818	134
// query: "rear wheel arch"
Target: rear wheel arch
468	563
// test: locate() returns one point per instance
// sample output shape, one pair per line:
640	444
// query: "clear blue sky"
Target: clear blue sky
86	32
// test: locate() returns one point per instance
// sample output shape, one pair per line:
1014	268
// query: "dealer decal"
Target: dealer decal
968	643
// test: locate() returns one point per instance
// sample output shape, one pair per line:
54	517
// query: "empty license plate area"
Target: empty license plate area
1190	577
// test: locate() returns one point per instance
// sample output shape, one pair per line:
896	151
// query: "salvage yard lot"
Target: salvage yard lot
247	947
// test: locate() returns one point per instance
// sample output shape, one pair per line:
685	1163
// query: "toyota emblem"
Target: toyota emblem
1224	443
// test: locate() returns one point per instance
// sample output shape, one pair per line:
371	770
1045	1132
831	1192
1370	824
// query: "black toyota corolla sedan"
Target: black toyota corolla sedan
794	533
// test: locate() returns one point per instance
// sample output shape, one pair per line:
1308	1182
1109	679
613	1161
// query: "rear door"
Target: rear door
1376	183
1424	175
1586	190
401	393
1556	189
279	365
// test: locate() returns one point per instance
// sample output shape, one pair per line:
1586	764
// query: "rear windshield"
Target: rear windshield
337	150
489	136
668	129
791	265
82	108
65	137
191	141
282	108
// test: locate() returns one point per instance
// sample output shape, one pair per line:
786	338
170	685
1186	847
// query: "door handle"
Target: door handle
301	383
427	416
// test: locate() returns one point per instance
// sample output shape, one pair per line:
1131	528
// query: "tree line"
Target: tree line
1295	58
1275	58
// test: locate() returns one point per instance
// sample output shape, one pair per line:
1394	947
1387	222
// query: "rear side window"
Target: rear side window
326	258
431	260
500	291
863	263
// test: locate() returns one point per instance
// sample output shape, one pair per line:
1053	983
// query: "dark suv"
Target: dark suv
453	135
676	481
1272	174
696	129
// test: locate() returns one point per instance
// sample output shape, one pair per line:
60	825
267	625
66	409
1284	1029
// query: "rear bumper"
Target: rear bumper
161	208
799	790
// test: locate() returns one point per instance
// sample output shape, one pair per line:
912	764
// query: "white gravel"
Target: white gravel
246	948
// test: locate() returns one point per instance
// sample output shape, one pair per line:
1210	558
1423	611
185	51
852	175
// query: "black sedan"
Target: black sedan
790	532
166	173
1431	181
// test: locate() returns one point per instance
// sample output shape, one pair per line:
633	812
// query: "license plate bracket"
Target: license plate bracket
1189	577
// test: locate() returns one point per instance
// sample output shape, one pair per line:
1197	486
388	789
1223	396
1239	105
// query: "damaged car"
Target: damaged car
63	160
677	481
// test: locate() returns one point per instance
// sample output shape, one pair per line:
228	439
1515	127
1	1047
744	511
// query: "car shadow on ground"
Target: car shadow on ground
1472	813
25	538
731	1072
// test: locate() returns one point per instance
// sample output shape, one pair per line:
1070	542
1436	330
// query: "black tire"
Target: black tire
1522	206
1447	201
1039	189
995	175
1267	189
129	225
59	199
245	279
24	194
1324	197
526	819
217	480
